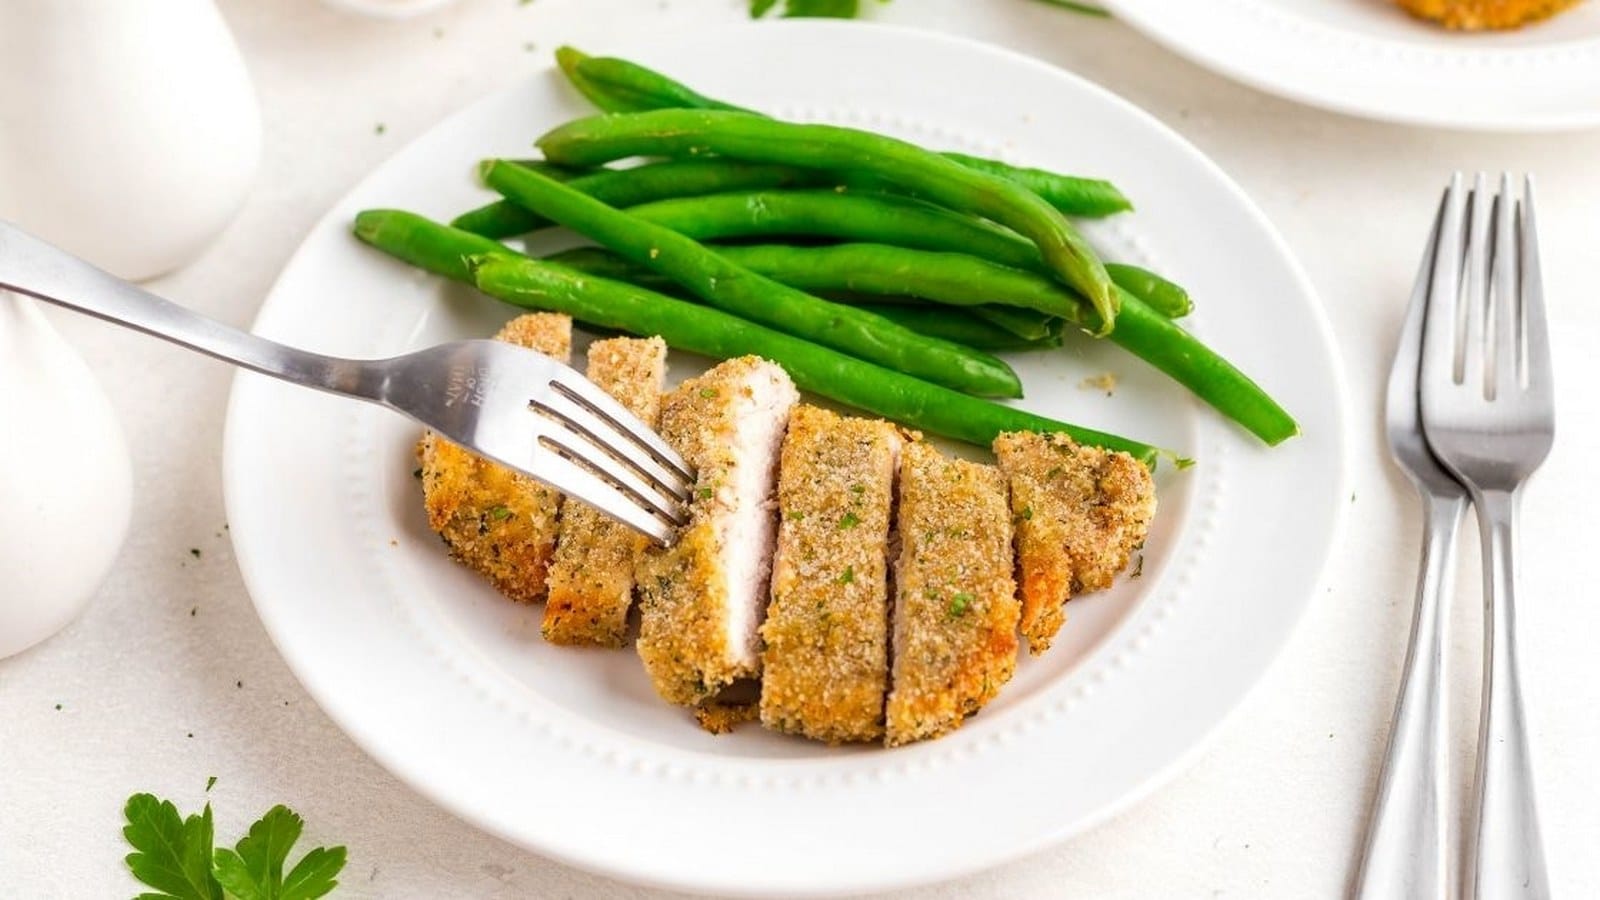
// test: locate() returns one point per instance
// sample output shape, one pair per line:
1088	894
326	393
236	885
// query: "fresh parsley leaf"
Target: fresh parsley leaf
171	854
314	875
253	870
848	521
759	8
960	603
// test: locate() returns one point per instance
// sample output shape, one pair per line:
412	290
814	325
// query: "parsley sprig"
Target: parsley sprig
174	855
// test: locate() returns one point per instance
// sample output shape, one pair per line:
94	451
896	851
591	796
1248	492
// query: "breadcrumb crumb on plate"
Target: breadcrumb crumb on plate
1079	513
826	657
591	579
497	521
956	610
701	600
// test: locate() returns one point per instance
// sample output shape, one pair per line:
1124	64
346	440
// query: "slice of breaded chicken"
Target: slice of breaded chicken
1477	15
496	521
955	612
1079	511
591	579
701	600
826	657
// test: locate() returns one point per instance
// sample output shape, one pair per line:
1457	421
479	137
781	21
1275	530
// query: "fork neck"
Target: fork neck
32	267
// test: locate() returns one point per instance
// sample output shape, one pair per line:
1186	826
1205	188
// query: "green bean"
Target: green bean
617	85
676	132
1024	323
630	187
699	329
971	328
964	327
989	289
729	286
559	173
1083	196
1163	296
879	219
426	245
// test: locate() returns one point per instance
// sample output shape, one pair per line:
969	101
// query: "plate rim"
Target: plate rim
605	865
1148	20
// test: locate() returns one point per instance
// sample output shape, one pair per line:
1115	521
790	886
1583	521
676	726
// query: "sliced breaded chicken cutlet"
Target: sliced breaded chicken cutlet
825	663
701	600
1079	512
1476	15
591	579
955	611
496	521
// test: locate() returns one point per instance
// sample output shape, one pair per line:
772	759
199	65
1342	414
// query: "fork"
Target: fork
1488	413
510	404
1404	853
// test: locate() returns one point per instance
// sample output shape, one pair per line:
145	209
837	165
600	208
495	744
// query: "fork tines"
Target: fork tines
599	448
1487	293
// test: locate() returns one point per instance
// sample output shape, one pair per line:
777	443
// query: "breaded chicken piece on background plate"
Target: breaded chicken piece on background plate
1477	15
1079	513
592	576
496	521
701	600
825	666
955	610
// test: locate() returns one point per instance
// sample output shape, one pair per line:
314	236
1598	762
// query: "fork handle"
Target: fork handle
33	267
1404	854
1506	850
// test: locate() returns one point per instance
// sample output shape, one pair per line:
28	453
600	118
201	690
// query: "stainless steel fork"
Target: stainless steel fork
510	404
1488	413
1406	845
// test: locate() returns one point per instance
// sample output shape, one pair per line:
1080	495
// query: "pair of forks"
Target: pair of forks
1470	416
512	405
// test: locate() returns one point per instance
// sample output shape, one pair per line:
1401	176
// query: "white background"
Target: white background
169	678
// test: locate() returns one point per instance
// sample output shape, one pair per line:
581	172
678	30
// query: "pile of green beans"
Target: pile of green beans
879	274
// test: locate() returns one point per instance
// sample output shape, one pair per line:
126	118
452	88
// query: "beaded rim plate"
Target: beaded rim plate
1369	58
567	752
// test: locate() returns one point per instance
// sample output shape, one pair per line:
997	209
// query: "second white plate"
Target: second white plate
1369	58
568	752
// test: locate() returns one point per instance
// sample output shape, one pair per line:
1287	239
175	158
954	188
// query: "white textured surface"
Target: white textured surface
172	647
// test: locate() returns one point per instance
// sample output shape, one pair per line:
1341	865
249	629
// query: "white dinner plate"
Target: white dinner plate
568	752
1369	58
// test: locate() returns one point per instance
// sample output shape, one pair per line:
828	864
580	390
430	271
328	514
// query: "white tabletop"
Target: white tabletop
169	679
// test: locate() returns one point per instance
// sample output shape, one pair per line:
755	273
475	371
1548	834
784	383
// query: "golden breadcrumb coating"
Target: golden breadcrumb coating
826	664
1476	15
591	579
956	610
1079	513
685	592
722	718
496	521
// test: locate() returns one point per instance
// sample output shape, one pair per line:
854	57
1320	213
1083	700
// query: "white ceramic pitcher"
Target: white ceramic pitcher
129	130
65	479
